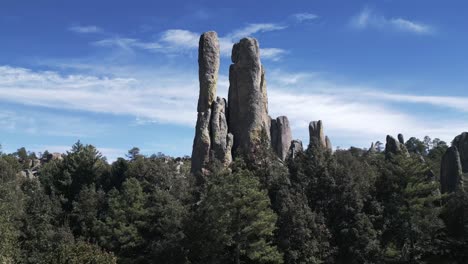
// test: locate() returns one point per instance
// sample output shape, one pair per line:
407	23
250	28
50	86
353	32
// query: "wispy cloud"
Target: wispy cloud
368	18
301	17
165	97
85	29
180	41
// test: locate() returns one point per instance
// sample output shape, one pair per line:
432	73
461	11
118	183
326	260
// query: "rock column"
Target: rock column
248	115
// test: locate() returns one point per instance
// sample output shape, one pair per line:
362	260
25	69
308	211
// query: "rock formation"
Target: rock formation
208	67
201	143
317	136
221	140
451	171
401	139
372	149
296	147
328	144
281	136
316	133
461	142
208	62
394	146
248	113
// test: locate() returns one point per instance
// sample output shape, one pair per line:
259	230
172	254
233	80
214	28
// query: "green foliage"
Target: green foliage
81	253
234	221
10	213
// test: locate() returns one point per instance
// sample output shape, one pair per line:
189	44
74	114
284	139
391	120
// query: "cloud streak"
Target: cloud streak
175	41
368	18
85	29
164	97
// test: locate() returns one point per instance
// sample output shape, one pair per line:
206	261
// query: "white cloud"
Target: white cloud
300	17
180	41
180	38
85	29
351	113
273	54
251	29
368	18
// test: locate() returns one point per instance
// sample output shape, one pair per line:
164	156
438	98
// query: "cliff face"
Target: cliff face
454	165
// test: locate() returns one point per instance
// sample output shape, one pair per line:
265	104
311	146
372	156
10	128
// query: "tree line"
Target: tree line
350	206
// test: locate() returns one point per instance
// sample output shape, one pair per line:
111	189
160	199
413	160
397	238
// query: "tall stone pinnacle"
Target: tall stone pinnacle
208	62
316	133
208	67
248	113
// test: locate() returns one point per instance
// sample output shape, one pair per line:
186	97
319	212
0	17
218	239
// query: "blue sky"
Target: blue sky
118	74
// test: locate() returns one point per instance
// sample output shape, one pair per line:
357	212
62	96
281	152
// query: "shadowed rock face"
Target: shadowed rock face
316	133
394	147
221	142
461	142
208	67
328	143
296	147
201	143
280	136
451	171
248	115
401	139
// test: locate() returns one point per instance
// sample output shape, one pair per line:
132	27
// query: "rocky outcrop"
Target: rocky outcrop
372	149
394	147
296	147
316	133
208	67
328	144
317	136
248	113
281	136
208	62
221	140
451	177
401	139
201	143
461	143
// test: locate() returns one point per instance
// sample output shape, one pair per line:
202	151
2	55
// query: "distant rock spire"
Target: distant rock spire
248	113
451	177
281	136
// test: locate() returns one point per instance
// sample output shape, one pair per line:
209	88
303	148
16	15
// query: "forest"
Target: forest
346	206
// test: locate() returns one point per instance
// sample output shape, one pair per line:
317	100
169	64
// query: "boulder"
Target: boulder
461	143
296	147
208	67
281	136
220	140
316	133
248	115
451	177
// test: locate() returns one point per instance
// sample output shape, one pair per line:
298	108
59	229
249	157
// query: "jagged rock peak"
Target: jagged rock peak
394	147
221	140
281	136
316	133
451	177
296	147
461	142
401	139
208	67
248	113
372	149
